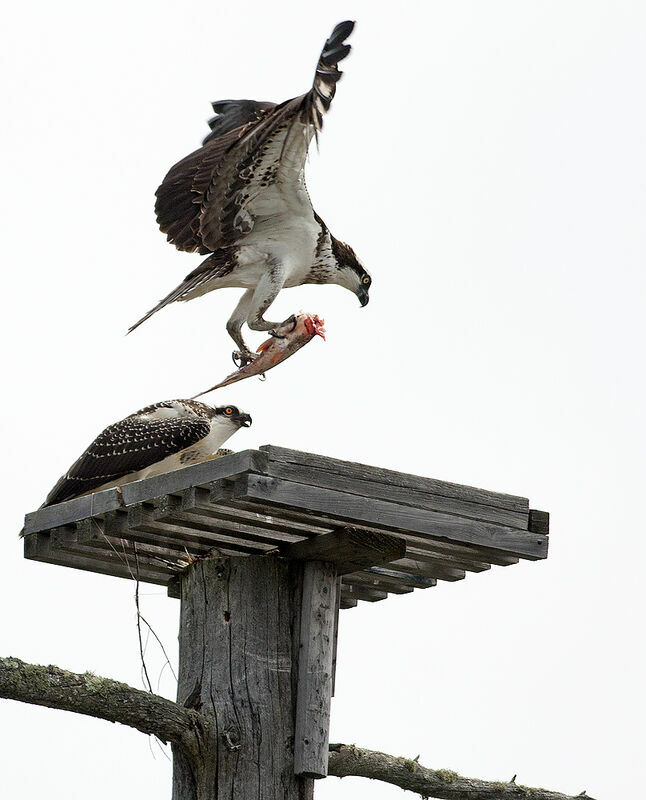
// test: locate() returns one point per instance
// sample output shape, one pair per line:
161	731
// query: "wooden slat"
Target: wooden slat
474	554
392	492
38	547
399	578
91	534
259	502
348	549
430	485
427	569
118	550
169	509
539	521
354	591
357	510
99	503
315	665
195	475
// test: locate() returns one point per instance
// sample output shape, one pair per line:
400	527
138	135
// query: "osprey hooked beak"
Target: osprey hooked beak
243	419
363	296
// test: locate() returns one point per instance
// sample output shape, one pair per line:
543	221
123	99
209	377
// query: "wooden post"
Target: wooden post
315	664
256	650
239	622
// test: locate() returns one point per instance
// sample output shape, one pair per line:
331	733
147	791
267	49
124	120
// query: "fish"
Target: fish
286	341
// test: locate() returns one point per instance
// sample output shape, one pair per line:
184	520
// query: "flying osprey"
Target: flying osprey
242	198
158	438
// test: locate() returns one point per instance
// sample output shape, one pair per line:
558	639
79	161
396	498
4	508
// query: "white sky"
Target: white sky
487	163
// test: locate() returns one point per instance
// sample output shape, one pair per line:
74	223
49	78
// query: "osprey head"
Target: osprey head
351	272
231	415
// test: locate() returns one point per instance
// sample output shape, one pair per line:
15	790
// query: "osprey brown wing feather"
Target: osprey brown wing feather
201	203
128	446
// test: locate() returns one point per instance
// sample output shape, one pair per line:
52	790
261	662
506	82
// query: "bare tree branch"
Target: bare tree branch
149	713
346	760
100	697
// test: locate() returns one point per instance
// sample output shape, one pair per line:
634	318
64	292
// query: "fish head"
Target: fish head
314	325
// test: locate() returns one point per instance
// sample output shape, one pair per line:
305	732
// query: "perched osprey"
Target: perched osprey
242	198
159	438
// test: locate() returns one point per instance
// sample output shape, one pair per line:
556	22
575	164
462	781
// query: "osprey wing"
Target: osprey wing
211	198
128	446
273	150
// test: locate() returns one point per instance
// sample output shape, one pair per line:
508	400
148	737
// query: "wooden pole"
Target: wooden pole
239	627
256	659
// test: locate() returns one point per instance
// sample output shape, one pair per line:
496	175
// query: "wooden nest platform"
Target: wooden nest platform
259	501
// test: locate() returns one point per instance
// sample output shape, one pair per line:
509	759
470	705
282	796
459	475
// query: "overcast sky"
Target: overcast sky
486	161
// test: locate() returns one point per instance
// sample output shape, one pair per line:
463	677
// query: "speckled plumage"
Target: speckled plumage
242	198
156	439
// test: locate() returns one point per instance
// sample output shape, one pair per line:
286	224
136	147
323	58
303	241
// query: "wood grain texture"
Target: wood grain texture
256	502
315	667
96	504
390	477
363	482
481	557
539	521
38	547
236	668
355	509
349	549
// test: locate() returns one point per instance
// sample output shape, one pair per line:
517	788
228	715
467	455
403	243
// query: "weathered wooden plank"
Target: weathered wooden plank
428	569
539	521
476	555
96	504
220	504
145	519
356	591
316	651
176	510
451	556
349	549
90	533
195	475
395	577
430	485
405	495
348	603
355	509
89	505
365	581
335	642
115	523
37	547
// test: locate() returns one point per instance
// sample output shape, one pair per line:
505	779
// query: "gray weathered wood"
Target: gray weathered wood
539	521
349	549
391	491
96	504
316	651
353	508
448	529
38	547
355	591
471	551
391	477
237	667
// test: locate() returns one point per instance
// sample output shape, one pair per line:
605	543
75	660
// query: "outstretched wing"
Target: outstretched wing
214	195
137	442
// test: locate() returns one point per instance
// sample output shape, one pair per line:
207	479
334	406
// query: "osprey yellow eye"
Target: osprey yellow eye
366	280
228	411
